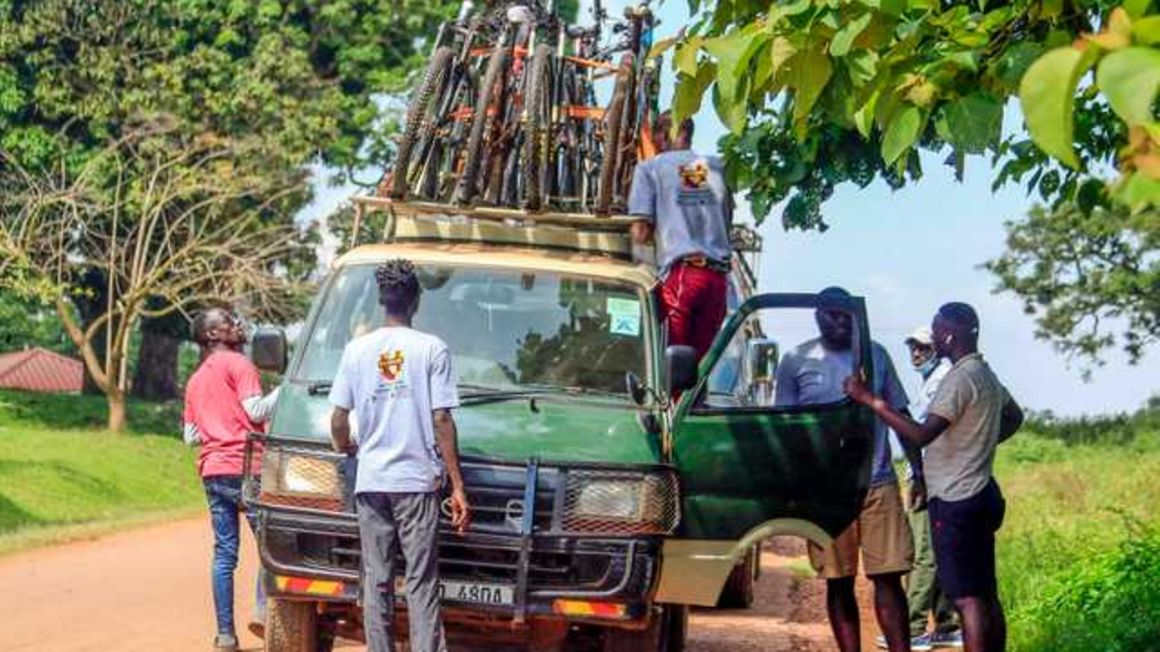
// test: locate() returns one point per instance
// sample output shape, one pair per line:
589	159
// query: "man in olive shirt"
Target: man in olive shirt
970	415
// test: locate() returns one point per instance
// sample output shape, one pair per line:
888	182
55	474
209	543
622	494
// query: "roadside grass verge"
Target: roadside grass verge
1079	552
60	480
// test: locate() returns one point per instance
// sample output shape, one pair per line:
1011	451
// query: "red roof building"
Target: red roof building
41	370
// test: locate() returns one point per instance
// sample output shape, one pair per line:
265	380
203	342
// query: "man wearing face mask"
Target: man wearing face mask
922	592
971	414
812	374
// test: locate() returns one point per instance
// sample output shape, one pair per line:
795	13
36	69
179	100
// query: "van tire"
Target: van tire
665	633
738	590
291	626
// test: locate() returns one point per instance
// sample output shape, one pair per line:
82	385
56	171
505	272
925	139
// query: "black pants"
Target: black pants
963	533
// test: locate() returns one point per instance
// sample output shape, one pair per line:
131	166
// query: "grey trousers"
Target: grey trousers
413	519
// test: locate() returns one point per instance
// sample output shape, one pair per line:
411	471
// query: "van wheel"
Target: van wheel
738	590
291	626
665	633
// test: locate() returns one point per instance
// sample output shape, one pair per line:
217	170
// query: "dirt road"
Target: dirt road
148	590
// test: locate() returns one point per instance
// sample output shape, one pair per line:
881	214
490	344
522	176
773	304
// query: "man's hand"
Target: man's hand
856	389
917	494
460	510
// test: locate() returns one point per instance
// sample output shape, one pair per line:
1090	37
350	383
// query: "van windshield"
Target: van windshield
506	329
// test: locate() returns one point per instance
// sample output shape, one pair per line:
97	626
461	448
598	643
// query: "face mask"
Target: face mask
928	366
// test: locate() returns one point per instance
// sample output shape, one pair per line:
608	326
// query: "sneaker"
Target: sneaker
225	643
953	638
917	644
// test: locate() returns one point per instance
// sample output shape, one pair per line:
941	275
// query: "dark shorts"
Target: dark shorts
963	534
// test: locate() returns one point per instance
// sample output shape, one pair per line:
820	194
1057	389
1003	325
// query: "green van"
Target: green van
602	507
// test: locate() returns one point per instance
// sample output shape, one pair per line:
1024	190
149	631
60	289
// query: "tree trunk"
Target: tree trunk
156	376
90	305
116	401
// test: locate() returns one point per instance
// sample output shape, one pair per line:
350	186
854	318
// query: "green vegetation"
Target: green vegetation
1079	552
60	477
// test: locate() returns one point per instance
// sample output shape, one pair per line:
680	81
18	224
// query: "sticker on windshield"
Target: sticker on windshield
623	316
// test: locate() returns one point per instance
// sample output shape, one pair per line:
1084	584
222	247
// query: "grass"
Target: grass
60	478
1081	522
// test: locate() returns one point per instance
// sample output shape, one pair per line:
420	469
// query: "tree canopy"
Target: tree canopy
820	93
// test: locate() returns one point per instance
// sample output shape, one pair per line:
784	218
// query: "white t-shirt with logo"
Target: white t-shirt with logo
392	379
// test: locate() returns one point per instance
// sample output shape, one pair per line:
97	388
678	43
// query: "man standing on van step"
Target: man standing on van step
970	415
223	405
812	374
680	197
399	383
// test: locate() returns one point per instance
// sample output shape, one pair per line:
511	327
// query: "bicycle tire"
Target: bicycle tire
496	67
537	128
614	117
417	118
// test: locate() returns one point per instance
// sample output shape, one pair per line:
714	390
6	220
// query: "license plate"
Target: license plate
473	592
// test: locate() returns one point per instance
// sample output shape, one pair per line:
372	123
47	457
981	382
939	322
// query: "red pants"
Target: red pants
692	302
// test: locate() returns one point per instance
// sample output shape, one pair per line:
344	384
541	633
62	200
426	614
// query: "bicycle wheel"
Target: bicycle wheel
420	120
491	92
613	120
537	128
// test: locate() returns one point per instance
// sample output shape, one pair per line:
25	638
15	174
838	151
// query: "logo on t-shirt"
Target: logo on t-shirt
695	175
391	365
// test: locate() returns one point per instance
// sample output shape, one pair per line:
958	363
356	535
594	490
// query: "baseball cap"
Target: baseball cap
921	335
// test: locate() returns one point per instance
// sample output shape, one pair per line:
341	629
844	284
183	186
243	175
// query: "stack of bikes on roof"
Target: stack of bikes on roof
507	113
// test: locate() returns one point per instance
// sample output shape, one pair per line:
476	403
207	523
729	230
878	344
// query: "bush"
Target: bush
1110	601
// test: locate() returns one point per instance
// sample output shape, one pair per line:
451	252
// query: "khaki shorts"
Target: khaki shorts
881	531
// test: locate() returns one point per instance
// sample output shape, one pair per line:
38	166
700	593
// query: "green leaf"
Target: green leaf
974	122
685	58
1130	78
1136	8
864	117
1139	192
863	66
732	113
844	39
733	53
1147	30
809	72
780	51
1047	96
901	133
661	46
689	91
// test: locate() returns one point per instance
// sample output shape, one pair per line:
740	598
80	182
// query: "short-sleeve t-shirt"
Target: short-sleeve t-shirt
812	374
392	379
213	403
684	195
959	461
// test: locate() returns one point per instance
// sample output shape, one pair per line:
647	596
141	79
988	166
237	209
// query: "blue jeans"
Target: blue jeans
224	493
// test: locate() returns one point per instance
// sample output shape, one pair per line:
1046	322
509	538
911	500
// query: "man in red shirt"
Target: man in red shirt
223	404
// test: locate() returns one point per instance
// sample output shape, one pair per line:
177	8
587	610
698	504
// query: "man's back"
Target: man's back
392	379
684	194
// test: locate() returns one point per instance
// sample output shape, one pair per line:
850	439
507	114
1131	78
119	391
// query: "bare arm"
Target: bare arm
1011	419
642	232
909	431
340	431
447	438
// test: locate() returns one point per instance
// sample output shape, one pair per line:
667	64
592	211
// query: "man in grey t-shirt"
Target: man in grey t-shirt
399	384
970	415
681	200
812	374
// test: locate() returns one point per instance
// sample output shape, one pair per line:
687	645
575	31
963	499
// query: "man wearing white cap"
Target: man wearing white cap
923	594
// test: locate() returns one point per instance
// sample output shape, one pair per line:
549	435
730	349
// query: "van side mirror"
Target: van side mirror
681	368
269	350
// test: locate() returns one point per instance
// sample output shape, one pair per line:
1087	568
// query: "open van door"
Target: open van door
757	459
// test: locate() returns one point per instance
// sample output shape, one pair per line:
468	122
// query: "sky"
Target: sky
908	252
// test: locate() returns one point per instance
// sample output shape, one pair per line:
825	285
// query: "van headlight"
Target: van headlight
302	479
621	503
